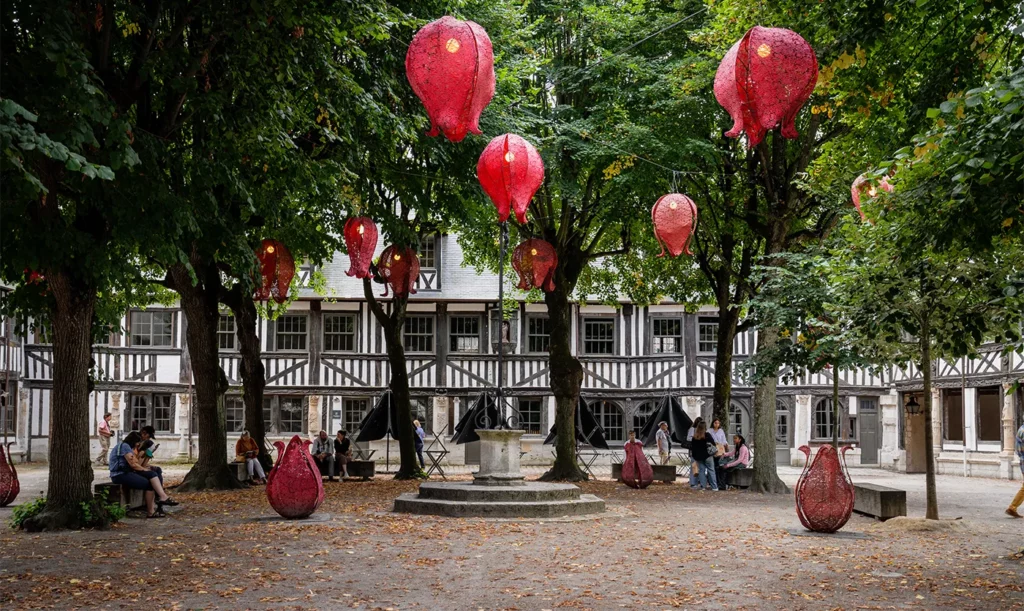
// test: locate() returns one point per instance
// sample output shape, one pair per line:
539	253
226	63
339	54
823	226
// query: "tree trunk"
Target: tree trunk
932	500
251	370
566	374
200	302
70	461
766	476
728	319
835	406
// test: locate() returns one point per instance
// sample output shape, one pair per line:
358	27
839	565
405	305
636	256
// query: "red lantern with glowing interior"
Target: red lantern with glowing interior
276	271
535	261
863	186
450	65
764	80
361	241
399	268
510	171
674	216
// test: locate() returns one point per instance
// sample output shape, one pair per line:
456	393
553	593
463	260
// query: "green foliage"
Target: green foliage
25	511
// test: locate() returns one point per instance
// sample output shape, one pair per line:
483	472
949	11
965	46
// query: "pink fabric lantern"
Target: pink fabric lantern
450	65
674	216
294	487
535	261
400	269
510	171
764	80
361	241
276	271
636	470
863	186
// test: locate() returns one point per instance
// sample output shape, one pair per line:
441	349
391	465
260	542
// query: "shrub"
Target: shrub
27	510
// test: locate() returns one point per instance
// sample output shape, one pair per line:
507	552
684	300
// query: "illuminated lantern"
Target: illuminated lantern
361	241
764	80
510	170
862	186
535	261
824	493
674	216
276	271
400	269
450	66
294	486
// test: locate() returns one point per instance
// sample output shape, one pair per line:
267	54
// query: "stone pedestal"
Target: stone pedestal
499	458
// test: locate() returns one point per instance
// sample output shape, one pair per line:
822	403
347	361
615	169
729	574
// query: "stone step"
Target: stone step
585	504
526	492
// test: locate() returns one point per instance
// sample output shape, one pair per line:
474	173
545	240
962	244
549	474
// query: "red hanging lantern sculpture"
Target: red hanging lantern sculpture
764	80
361	241
400	269
824	493
9	484
862	186
276	271
535	261
510	171
294	486
674	216
636	470
450	65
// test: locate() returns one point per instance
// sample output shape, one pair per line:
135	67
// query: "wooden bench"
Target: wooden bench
364	469
741	478
879	501
129	498
662	473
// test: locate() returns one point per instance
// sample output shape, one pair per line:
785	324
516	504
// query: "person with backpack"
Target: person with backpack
703	449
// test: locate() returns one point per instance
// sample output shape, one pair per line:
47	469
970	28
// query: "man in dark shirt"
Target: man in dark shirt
342	453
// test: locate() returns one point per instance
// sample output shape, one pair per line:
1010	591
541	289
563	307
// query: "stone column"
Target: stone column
889	453
801	428
937	424
183	424
499	458
439	420
692	406
313	422
115	410
1006	456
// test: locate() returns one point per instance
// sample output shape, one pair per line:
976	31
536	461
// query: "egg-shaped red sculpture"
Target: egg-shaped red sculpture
824	492
674	216
450	65
400	269
9	484
294	487
535	261
510	171
276	271
773	72
863	186
361	241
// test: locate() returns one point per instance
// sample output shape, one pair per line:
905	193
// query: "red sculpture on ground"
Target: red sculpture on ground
9	484
294	487
361	241
450	65
824	493
674	216
863	186
636	470
276	271
535	261
510	170
400	269
764	80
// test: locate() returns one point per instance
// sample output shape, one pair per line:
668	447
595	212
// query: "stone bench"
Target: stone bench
662	473
741	478
129	498
879	501
364	469
241	471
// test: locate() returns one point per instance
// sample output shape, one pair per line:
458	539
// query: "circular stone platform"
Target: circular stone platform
527	500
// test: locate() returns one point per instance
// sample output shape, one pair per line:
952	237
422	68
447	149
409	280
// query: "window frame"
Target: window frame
540	412
348	425
291	334
944	395
354	317
430	240
222	333
432	335
280	419
702	322
545	337
603	319
830	426
452	335
132	326
637	413
151	410
598	407
232	404
998	392
9	406
654	320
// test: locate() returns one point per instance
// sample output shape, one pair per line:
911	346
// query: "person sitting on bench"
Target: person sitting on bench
126	470
342	453
247	451
323	455
742	454
146	450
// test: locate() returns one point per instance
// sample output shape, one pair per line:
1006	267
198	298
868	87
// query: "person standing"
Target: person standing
104	433
694	469
664	442
718	435
323	455
703	448
1018	500
420	436
342	453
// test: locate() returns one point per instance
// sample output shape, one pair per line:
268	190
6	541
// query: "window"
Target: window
8	413
667	335
340	332
292	416
155	410
989	414
640	416
464	332
823	419
781	428
226	332
428	252
953	415
538	334
140	411
609	416
599	336
418	334
354	412
736	419
152	328
268	415
234	411
530	411
707	335
291	332
162	413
